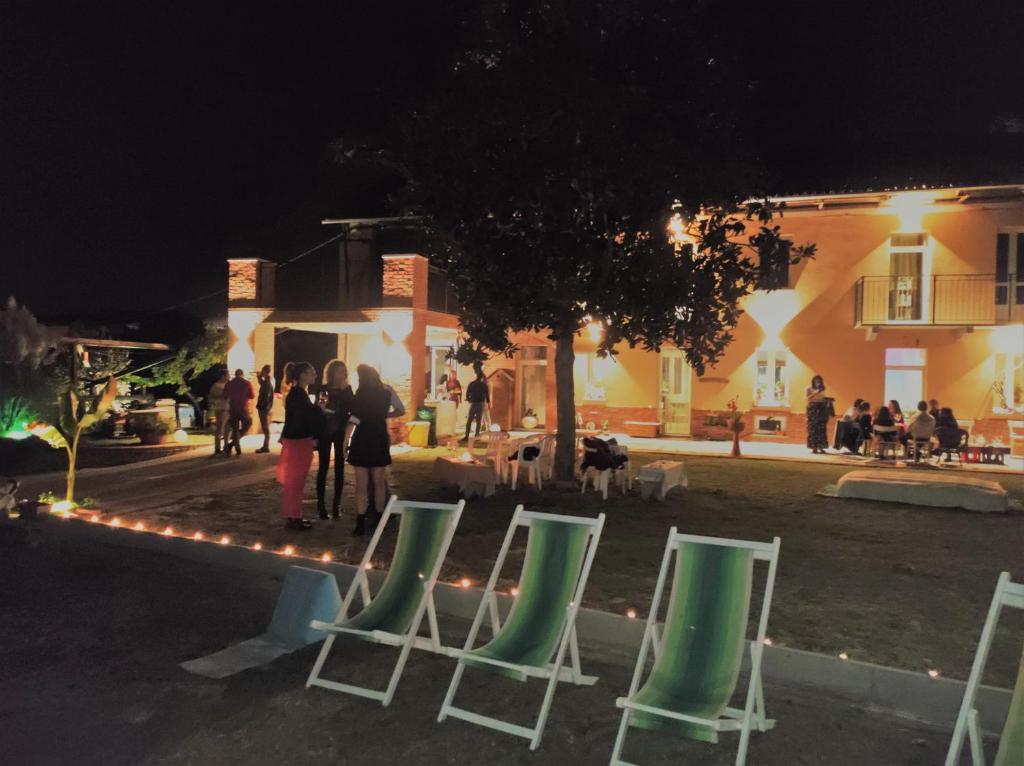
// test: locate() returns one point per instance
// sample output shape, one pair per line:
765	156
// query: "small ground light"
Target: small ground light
767	641
257	546
844	656
94	519
289	550
197	536
369	565
224	540
631	613
933	673
325	558
139	526
116	522
465	582
514	592
168	531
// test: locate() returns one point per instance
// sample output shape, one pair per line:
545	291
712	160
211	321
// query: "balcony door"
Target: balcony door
906	266
1010	275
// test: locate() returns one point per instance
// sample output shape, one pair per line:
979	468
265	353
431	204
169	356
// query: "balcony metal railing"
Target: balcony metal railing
942	299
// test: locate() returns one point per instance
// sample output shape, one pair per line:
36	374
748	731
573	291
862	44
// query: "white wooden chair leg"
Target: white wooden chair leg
620	739
974	735
321	658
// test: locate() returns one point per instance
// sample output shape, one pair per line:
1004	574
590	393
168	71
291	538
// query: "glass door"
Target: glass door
675	393
533	373
906	256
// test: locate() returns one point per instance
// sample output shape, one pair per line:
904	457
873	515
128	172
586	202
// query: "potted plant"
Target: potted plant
736	424
153	430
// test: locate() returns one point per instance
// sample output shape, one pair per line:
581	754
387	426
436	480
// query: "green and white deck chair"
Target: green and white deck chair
698	654
541	626
394	615
1011	744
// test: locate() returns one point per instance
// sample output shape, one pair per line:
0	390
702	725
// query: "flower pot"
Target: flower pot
151	437
529	422
737	429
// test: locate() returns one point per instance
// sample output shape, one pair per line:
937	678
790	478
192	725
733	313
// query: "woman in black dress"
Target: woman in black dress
369	444
303	424
817	415
336	395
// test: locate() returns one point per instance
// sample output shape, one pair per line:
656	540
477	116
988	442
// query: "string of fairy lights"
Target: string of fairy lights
290	551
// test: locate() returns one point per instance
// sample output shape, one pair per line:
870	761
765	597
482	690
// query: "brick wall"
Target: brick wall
405	281
242	281
597	412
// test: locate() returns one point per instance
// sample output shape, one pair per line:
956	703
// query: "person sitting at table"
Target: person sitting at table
844	424
947	431
920	428
883	427
898	420
859	431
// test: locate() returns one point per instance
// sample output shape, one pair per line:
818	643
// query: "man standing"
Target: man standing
238	392
478	397
264	403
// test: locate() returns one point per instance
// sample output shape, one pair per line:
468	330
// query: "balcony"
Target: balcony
942	300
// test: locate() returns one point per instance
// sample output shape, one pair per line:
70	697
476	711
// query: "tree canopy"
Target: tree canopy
552	160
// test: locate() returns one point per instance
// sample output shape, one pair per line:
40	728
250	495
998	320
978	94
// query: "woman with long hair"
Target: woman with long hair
369	444
817	415
303	423
336	395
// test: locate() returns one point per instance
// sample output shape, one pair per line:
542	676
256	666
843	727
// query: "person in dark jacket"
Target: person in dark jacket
369	444
479	398
303	424
336	394
264	403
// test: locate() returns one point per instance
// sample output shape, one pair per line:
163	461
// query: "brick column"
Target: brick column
250	283
405	281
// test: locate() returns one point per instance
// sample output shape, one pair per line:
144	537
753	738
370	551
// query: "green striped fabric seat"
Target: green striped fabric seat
703	641
554	557
421	534
1011	745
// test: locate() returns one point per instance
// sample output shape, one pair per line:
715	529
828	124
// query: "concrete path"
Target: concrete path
137	486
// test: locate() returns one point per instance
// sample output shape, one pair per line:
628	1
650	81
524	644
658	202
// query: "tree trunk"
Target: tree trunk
565	450
72	461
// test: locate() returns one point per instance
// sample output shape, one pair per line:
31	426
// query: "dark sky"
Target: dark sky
141	143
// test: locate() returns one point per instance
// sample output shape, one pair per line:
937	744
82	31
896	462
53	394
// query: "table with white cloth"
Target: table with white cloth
472	477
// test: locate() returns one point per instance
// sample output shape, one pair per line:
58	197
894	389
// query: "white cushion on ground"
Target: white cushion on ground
941	491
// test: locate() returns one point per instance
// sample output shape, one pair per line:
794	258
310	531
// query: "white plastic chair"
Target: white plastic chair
496	452
534	464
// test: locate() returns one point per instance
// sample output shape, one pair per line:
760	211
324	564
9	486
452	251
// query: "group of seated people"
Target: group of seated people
858	429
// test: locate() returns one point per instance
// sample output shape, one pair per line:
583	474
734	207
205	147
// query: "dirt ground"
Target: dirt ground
89	674
899	585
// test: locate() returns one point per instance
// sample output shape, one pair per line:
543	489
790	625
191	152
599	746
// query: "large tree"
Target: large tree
553	157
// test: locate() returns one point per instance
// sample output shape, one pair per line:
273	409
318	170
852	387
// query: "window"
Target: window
771	383
774	272
904	376
1009	267
596	371
1008	388
437	366
906	278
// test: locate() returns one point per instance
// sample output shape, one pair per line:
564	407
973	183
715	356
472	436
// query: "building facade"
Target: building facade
913	295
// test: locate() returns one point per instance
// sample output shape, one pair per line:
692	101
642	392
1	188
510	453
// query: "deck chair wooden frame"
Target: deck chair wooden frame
555	671
753	715
968	726
411	638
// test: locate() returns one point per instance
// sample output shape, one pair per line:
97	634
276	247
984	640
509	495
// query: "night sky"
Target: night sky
143	143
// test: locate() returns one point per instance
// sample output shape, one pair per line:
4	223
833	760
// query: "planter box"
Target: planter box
641	428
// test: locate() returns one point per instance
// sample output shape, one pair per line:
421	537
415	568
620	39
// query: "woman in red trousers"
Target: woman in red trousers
303	425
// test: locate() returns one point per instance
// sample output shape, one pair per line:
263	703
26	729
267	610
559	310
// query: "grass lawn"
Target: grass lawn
894	584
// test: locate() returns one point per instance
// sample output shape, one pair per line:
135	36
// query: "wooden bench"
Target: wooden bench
659	477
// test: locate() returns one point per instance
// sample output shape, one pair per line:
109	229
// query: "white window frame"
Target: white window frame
771	358
435	373
593	389
1005	366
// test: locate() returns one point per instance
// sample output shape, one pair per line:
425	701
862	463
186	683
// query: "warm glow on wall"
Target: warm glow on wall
772	311
910	209
241	324
1008	339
